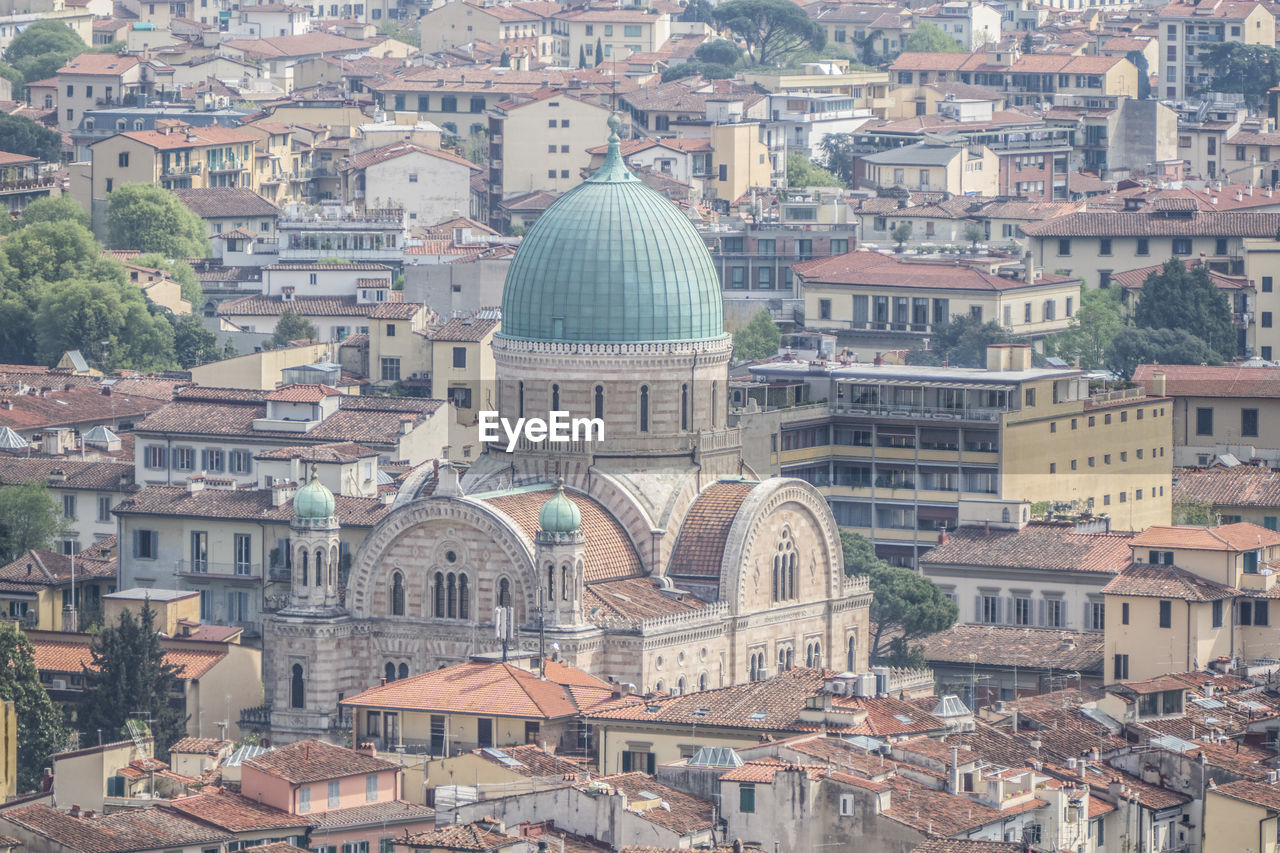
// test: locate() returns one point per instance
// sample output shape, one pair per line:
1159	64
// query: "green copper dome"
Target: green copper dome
314	502
612	261
559	514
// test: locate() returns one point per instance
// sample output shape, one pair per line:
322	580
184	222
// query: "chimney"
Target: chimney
75	810
1157	383
953	779
1208	689
195	483
1028	267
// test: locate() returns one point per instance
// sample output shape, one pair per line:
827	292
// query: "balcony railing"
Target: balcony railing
208	568
933	412
231	164
26	185
184	169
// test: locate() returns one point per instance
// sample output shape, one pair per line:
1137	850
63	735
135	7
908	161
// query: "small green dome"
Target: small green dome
314	501
559	514
612	261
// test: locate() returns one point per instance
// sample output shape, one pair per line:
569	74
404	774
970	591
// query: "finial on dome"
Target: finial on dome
614	168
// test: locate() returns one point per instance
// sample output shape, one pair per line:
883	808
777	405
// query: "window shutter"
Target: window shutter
135	542
1042	608
651	762
1084	619
626	762
977	609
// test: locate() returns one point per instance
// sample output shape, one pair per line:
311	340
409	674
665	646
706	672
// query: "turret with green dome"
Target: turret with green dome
559	515
613	261
314	501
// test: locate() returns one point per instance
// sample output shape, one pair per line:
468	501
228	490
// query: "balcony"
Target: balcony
220	571
28	185
183	169
231	164
917	412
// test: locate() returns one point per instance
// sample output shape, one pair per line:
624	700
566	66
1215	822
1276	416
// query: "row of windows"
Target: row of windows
1249	612
1248	421
757	662
159	457
992	608
598	403
69	508
1092	461
1180	246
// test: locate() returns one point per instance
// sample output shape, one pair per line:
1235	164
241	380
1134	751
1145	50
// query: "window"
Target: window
1121	670
104	508
304	794
1104	246
1124	613
122	160
371	788
154	456
1217	613
1144	246
1204	421
459	356
335	794
213	459
824	309
1064	246
989	606
1095	616
69	507
390	369
1182	245
1022	611
484	732
1249	422
1166	614
146	544
397	594
747	799
242	551
1053	613
297	689
644	408
1266	284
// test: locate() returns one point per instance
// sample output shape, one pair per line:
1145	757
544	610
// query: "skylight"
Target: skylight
759	715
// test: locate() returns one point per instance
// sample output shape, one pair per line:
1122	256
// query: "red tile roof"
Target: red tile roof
374	156
1160	581
1040	546
241	504
699	548
313	306
1242	536
99	64
863	267
1231	380
303	393
466	330
1219	486
235	813
129	830
316	761
64	652
1145	223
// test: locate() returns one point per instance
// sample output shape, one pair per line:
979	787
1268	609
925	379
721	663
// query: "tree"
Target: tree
109	322
803	172
771	29
29	519
1139	60
962	341
973	232
901	233
760	338
718	52
41	729
1096	322
697	12
129	677
19	135
476	147
905	606
582	56
193	344
1028	44
1132	347
1250	69
504	61
839	152
42	48
599	52
929	38
1195	514
1178	298
293	327
54	208
150	219
707	70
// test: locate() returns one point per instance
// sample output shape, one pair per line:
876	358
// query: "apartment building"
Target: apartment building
38	587
23	179
974	26
96	80
428	184
617	32
1191	596
876	29
759	256
887	300
1231	493
1238	291
930	167
462	366
1231	409
1029	80
522	28
904	452
1188	28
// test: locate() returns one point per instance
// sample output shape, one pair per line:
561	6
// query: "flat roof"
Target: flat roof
914	372
139	593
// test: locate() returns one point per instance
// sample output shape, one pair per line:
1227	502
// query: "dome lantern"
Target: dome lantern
314	501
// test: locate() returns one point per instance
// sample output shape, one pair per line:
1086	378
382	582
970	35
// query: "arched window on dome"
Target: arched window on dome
389	671
644	408
451	596
551	584
397	594
319	567
599	401
403	671
437	596
520	398
564	583
464	597
302	558
555	398
784	569
297	688
504	593
684	406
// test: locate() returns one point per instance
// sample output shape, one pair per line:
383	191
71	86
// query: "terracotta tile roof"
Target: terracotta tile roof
9	159
241	504
1241	536
462	836
1150	580
500	689
311	267
936	812
191	137
99	64
634	599
926	61
887	716
699	548
235	813
101	476
54	408
307	44
863	267
532	760
764	769
1262	794
374	156
308	306
1142	223
685	814
221	202
1231	380
345	452
64	652
969	845
316	761
998	645
1237	486
1233	10
303	393
200	745
37	569
466	329
1042	546
129	830
1134	279
373	815
610	554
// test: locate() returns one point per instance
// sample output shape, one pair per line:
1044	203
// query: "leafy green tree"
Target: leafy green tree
20	135
698	12
707	70
718	52
928	38
760	338
771	29
1195	514
973	232
839	153
107	321
1249	69
582	56
1028	44
150	219
960	342
392	29
905	606
803	172
1132	347
193	344
29	519
901	233
476	147
128	676
55	208
867	46
293	327
1095	323
41	728
1178	298
599	51
50	252
42	48
181	272
14	76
